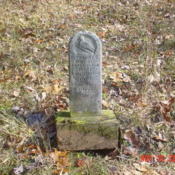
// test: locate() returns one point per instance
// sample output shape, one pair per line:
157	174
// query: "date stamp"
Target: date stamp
158	158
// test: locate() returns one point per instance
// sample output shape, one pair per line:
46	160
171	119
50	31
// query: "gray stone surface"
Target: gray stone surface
74	140
85	60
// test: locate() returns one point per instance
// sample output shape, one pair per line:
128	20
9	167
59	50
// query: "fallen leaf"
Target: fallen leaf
53	88
101	34
56	89
39	41
119	77
159	138
16	93
140	103
57	154
43	95
140	167
116	76
105	104
130	151
47	88
166	107
130	47
62	26
20	149
29	88
28	32
31	74
80	162
131	138
61	161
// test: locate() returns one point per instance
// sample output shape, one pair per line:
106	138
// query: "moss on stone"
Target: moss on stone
108	113
63	114
85	117
104	125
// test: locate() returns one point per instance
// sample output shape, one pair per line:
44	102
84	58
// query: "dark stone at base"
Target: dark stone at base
87	133
45	129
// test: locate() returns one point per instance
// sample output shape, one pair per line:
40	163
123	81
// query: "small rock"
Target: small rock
16	109
19	170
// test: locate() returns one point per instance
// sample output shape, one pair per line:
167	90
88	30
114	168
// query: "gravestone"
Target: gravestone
85	55
86	126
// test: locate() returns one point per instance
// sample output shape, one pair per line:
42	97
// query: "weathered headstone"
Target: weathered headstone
86	126
85	55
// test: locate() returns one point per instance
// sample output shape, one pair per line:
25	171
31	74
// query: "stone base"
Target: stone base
87	132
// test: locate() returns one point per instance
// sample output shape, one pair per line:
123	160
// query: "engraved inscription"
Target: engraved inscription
85	73
85	91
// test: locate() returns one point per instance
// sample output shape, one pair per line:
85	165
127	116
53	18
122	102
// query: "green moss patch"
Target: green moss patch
66	116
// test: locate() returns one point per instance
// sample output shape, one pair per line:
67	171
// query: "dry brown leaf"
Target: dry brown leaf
134	98
20	149
32	146
159	138
31	74
65	68
34	152
130	151
140	167
166	107
16	93
116	76
140	103
17	77
131	138
62	26
47	88
101	34
57	154
80	162
39	41
56	89
30	89
71	16
130	47
105	104
119	77
61	161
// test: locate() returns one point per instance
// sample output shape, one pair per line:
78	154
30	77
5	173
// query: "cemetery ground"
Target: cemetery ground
138	82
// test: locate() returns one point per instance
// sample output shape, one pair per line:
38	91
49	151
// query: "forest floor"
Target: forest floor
138	82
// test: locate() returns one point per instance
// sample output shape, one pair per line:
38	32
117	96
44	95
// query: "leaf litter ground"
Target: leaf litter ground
138	81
